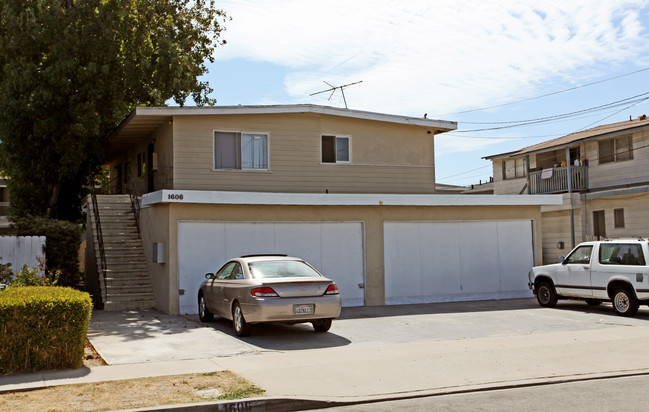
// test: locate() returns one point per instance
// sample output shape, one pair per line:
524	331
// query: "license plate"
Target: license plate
303	309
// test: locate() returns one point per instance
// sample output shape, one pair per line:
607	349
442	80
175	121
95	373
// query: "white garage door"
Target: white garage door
335	249
453	261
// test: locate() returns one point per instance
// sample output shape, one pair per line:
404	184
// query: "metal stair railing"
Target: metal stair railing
100	244
131	188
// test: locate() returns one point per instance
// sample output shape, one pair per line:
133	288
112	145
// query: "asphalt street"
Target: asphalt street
611	394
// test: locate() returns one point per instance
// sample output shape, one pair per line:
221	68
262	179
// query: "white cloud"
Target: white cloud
436	57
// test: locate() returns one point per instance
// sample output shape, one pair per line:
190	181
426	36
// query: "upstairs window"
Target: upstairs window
616	150
619	217
248	151
514	168
335	149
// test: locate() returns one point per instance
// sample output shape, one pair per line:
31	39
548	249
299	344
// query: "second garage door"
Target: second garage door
452	261
335	249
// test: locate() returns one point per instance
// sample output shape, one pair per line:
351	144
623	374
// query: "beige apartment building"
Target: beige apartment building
352	192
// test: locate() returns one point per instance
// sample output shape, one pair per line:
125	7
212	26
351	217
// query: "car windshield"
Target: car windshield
281	269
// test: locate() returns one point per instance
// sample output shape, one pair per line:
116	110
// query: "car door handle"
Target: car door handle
586	267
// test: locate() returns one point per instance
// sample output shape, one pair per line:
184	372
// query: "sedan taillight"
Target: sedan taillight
263	292
332	290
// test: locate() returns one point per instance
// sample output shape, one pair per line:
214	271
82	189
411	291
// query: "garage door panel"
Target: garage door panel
302	240
440	258
478	251
403	248
249	238
515	256
335	249
339	269
457	260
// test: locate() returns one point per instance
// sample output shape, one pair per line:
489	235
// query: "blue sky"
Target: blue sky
443	58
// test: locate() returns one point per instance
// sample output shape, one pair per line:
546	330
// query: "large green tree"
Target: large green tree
71	70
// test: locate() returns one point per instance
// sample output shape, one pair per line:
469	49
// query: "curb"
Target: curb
290	404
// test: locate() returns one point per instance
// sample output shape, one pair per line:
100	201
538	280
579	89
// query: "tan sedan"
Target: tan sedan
269	288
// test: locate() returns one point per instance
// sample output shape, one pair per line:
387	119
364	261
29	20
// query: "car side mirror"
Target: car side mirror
209	276
562	259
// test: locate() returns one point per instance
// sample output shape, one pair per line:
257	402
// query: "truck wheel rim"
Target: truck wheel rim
621	302
545	294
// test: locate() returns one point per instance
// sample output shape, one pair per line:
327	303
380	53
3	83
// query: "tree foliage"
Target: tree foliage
73	69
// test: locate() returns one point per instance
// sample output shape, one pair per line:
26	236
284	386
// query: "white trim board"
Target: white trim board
336	199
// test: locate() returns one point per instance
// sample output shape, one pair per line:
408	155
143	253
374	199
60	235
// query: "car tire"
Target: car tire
625	302
593	302
203	313
241	327
546	295
321	325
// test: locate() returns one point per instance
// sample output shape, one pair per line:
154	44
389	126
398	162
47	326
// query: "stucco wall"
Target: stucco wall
163	219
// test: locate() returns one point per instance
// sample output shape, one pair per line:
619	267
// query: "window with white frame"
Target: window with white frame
234	150
336	149
616	149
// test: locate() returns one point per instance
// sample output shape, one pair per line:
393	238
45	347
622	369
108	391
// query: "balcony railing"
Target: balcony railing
555	180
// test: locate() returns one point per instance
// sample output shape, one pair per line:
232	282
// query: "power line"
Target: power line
511	124
544	95
463	173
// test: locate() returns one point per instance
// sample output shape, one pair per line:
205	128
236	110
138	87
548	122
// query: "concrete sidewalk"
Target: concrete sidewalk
344	367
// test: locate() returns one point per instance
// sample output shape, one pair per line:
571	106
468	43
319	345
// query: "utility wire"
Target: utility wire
565	116
570	114
544	95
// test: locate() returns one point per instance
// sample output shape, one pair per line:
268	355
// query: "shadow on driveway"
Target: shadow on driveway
283	337
433	308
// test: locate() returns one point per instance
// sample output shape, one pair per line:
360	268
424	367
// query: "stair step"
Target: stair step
127	282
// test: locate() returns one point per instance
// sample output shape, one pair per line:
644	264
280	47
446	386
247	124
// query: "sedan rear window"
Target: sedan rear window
281	269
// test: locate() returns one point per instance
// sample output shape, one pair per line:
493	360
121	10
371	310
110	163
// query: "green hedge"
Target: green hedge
42	327
61	247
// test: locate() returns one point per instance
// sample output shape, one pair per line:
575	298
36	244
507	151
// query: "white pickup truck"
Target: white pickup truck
607	270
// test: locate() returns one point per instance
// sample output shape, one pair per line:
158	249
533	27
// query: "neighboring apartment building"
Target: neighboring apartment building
602	174
352	192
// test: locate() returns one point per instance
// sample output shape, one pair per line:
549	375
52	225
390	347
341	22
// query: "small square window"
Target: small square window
619	217
335	149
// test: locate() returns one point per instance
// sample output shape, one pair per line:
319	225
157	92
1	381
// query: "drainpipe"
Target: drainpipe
572	210
527	172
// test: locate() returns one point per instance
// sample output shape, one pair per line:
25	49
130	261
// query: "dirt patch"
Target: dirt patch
91	357
132	393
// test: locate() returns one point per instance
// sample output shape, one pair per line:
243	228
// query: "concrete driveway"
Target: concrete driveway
395	351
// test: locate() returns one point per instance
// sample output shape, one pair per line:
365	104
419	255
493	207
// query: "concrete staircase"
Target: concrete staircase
127	283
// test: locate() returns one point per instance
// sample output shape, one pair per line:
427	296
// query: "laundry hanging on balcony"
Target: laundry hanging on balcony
546	173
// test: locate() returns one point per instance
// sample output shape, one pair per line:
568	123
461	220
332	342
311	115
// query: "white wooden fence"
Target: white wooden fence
19	250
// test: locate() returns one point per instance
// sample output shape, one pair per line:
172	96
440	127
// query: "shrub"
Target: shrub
42	327
6	274
61	248
32	277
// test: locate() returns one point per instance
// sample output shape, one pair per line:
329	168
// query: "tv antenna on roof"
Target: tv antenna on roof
334	88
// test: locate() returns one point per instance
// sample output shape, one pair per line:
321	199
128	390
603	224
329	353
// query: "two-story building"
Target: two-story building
602	174
352	192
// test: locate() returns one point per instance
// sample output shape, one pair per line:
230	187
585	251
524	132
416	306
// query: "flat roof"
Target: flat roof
338	199
143	121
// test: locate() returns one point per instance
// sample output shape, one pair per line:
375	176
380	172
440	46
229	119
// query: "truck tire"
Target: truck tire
546	295
624	302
